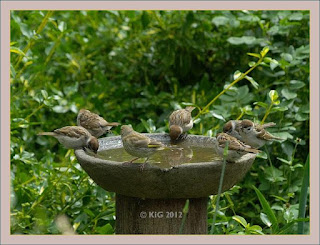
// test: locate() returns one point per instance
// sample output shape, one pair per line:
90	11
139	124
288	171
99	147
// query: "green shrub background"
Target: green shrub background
136	67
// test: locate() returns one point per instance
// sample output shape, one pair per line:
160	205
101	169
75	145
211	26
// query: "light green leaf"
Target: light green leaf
17	51
266	207
273	64
294	84
264	51
287	57
273	95
62	26
262	104
240	220
296	16
220	20
251	63
252	81
265	220
288	94
254	55
237	74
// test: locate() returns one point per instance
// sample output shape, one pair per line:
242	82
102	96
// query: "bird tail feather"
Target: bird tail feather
47	133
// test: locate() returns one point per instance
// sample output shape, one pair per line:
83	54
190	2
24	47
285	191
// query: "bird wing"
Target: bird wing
180	117
236	145
91	122
154	144
71	131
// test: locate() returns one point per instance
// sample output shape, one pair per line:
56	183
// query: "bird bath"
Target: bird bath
146	200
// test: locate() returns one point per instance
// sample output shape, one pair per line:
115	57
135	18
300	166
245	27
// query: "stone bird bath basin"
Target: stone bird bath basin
156	188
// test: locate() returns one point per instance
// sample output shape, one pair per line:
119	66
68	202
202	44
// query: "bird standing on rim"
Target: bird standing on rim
180	121
236	148
95	124
74	137
138	145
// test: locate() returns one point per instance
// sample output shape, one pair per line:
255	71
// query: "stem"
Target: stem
267	113
53	49
241	115
203	111
220	187
31	41
30	115
185	212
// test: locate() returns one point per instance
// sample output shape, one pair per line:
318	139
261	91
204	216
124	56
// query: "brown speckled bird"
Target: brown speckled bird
180	121
236	148
95	124
74	137
250	133
138	145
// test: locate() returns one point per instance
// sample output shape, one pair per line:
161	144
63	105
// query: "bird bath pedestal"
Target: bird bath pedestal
152	201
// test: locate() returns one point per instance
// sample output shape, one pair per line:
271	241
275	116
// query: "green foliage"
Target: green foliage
136	67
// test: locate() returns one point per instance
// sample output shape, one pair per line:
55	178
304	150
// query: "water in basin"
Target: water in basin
174	156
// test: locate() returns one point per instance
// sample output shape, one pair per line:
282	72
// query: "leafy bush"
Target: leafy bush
137	67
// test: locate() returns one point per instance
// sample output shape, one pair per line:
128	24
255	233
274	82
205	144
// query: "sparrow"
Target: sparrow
95	124
74	137
255	135
180	121
138	145
250	133
236	148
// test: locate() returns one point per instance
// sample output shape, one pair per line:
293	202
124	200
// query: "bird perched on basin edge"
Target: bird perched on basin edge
138	145
236	148
74	137
180	121
95	124
250	133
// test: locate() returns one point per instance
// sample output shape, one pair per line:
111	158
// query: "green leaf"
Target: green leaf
278	108
220	21
262	155
242	40
296	16
106	229
266	207
252	81
287	57
254	55
240	220
288	94
301	117
262	104
273	64
265	220
214	114
251	63
294	84
284	160
264	51
44	94
17	51
62	26
273	95
236	75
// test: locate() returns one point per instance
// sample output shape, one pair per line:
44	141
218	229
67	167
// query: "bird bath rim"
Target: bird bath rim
189	180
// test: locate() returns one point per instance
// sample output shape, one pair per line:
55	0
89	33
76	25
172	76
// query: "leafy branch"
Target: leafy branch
239	76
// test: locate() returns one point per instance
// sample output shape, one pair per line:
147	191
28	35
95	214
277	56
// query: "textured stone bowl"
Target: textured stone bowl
190	180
